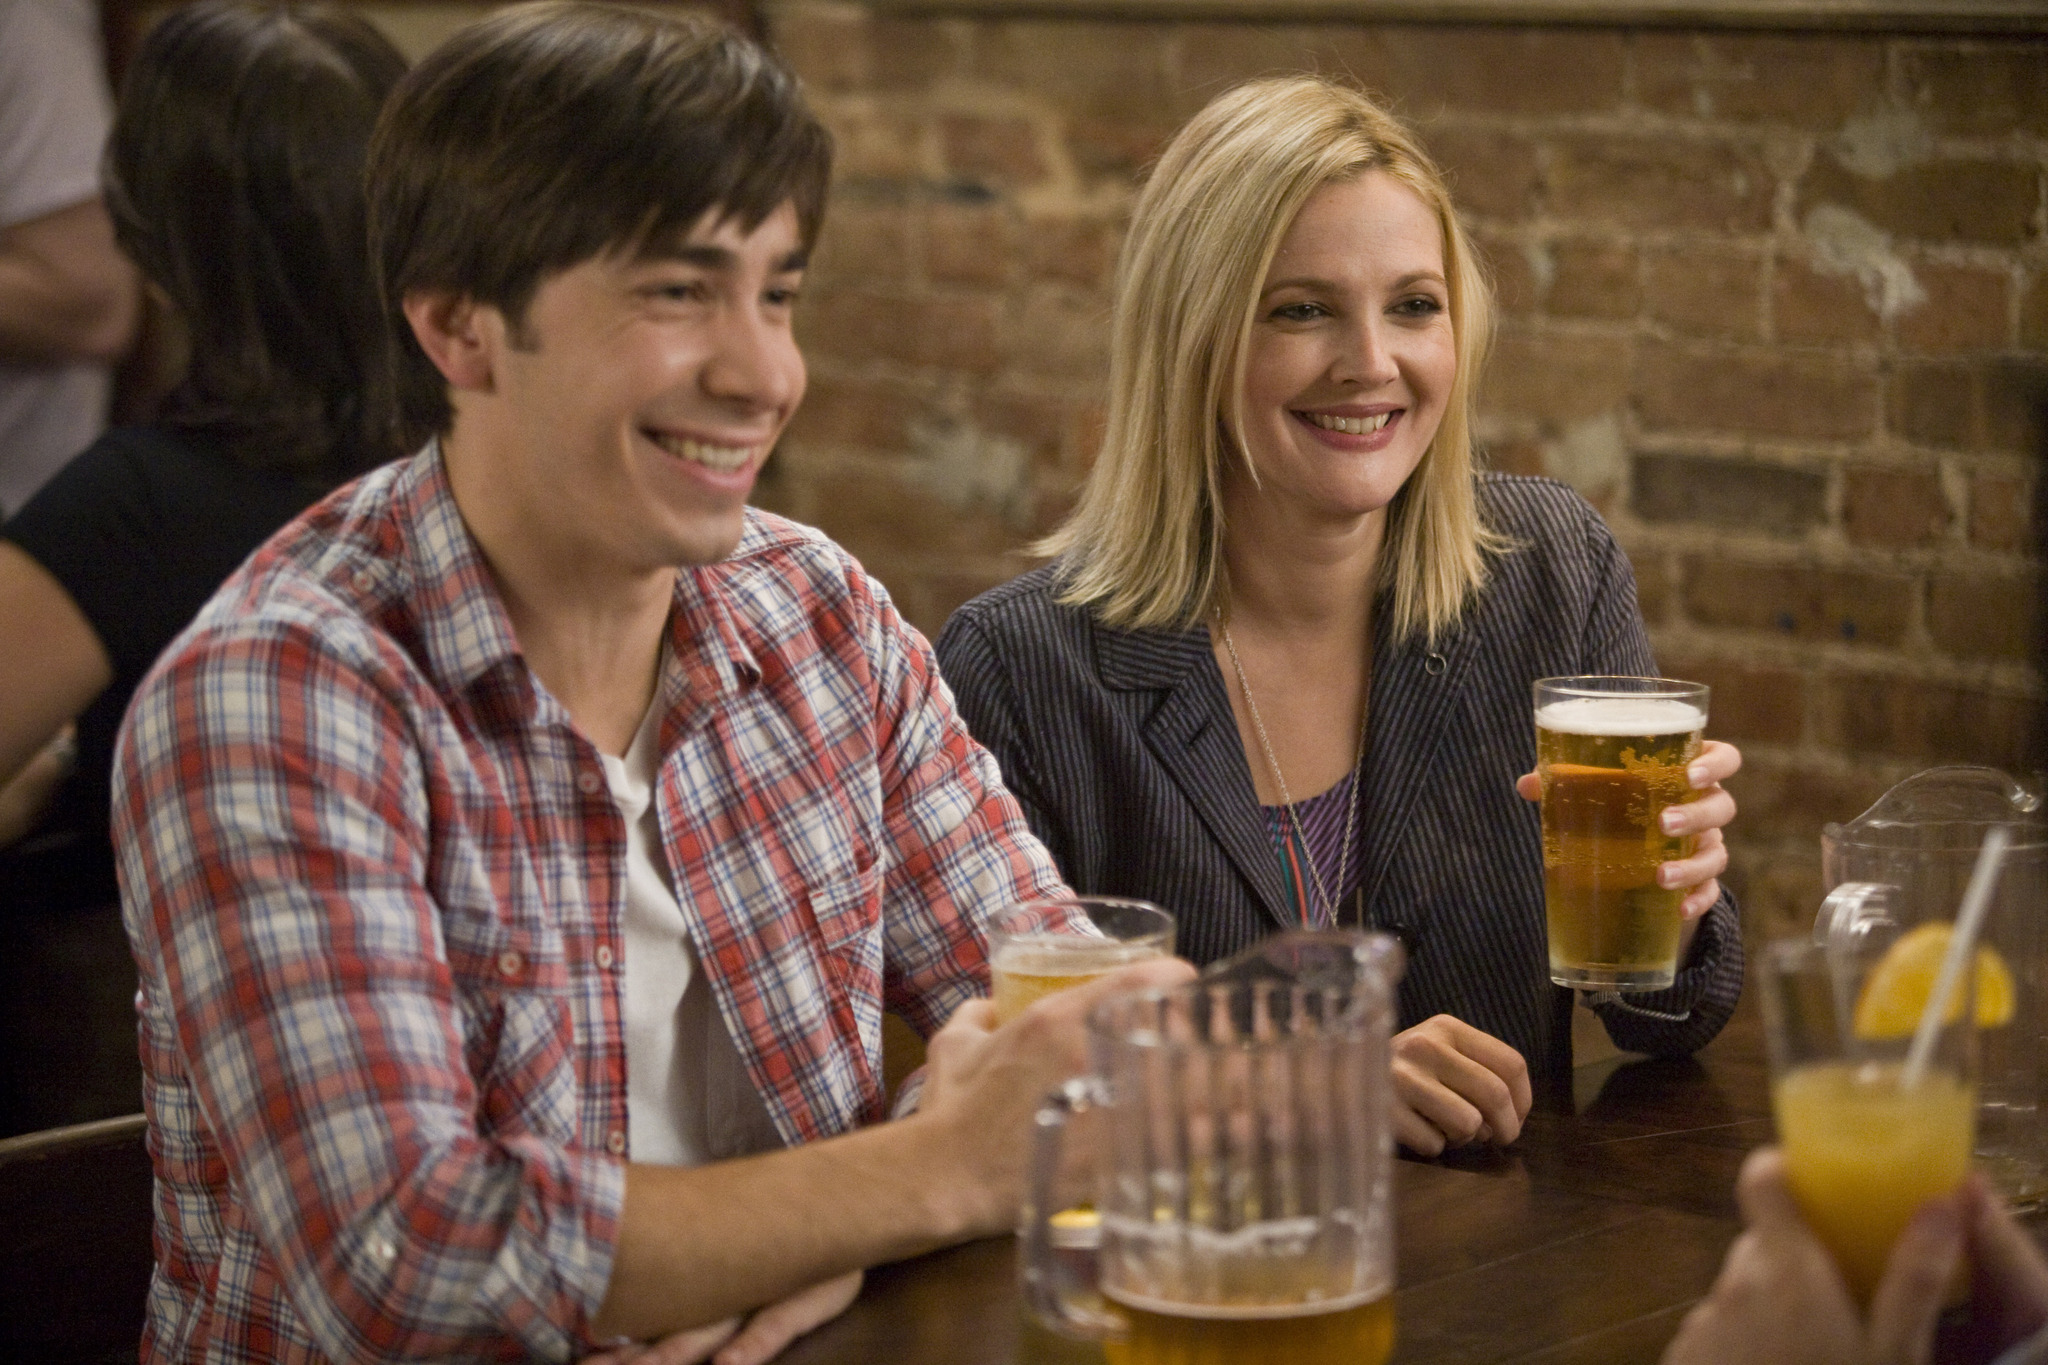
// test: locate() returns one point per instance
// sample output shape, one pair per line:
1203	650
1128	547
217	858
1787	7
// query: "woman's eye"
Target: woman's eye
1298	312
1420	306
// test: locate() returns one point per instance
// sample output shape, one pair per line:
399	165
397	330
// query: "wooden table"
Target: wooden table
1585	1242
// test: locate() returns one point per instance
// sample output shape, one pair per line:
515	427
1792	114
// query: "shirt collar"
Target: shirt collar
467	636
464	630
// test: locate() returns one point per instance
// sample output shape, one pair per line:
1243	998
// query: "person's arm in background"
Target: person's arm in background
52	666
66	291
1779	1297
67	294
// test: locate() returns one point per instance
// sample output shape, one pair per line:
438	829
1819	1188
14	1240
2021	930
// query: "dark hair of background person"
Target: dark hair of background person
248	215
550	134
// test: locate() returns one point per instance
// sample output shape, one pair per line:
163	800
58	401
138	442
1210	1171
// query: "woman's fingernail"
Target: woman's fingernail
1697	775
1667	876
1673	820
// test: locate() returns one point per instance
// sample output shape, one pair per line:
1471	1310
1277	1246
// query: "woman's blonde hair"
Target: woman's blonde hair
1144	546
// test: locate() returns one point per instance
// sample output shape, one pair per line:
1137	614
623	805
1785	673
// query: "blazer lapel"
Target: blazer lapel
1193	737
1415	696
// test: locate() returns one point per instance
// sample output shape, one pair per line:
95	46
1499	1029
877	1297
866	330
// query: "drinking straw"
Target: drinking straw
1961	947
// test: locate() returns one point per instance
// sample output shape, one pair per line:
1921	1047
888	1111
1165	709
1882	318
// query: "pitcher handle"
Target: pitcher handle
1044	1276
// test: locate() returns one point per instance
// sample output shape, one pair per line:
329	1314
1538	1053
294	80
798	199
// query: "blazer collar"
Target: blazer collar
1193	736
1415	693
1416	689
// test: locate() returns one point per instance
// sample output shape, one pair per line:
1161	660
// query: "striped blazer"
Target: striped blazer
1121	747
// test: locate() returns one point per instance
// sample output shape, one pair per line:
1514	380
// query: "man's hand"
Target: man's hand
1705	816
988	1082
1454	1084
761	1337
1779	1297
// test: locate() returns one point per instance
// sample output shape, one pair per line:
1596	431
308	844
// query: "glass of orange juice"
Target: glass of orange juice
1865	1144
1038	947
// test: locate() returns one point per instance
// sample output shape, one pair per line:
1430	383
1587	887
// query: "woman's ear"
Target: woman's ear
455	332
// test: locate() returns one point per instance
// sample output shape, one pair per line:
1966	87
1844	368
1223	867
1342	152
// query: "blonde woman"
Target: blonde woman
1278	673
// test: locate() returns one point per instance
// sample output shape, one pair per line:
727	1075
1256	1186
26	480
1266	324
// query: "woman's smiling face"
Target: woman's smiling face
1351	359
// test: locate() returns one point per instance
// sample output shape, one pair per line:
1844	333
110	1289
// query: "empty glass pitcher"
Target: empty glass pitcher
1906	861
1241	1145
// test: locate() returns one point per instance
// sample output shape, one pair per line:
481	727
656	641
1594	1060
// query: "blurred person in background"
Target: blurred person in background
68	300
234	178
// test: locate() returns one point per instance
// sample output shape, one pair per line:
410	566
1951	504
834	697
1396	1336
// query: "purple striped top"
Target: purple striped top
1322	818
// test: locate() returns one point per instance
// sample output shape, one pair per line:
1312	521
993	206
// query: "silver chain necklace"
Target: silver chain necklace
1351	805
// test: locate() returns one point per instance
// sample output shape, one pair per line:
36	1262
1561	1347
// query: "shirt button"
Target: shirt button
587	783
509	962
364	580
617	1142
382	1251
604	955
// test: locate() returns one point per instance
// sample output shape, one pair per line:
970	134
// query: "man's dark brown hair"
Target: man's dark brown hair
554	133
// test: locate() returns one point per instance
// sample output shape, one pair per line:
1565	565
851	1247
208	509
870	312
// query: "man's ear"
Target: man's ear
456	333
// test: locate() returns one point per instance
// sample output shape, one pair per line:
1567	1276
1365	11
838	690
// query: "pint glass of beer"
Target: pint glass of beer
1038	947
1612	754
1242	1142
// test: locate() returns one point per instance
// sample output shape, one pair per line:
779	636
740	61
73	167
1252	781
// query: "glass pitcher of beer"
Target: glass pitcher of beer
1240	1136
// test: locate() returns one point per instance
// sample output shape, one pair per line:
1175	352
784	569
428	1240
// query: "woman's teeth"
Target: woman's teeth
723	459
1350	426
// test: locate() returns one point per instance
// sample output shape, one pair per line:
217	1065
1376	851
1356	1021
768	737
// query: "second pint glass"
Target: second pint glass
1612	754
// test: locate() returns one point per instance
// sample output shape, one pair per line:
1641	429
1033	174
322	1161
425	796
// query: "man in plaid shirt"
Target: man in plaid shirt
516	909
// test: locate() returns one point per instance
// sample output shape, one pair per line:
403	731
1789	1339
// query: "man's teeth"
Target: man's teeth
1350	426
724	459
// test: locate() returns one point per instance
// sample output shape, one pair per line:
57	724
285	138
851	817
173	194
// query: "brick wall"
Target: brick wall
1776	303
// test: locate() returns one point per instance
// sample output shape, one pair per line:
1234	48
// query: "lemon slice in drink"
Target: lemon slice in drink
1896	994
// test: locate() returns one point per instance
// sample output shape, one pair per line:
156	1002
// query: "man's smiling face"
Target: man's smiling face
642	393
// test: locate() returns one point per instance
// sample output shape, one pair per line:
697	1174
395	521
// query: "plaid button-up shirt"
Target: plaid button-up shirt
375	883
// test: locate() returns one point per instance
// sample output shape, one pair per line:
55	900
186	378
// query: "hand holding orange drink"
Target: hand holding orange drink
1866	1141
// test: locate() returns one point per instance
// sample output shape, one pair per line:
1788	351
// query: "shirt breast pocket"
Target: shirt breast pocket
512	986
848	913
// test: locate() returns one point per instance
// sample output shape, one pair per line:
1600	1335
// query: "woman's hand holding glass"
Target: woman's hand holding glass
1705	816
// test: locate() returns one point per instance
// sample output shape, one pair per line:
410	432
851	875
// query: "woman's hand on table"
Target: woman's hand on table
1455	1084
759	1336
1704	816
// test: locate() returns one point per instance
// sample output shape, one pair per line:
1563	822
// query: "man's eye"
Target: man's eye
782	298
679	291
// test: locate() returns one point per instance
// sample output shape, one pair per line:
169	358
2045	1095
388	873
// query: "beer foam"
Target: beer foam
1621	716
1067	954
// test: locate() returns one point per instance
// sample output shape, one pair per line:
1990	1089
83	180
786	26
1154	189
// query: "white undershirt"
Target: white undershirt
688	1097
